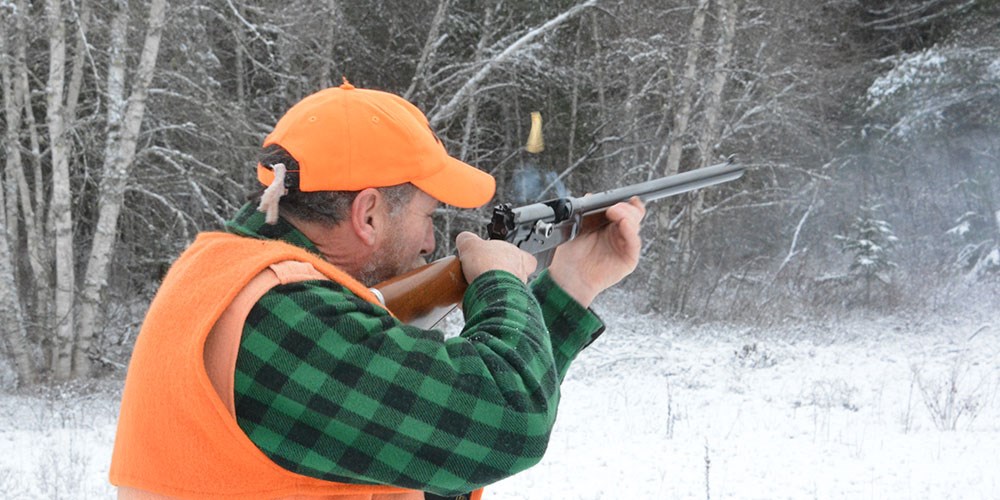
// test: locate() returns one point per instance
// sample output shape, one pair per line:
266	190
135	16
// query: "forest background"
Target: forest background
870	129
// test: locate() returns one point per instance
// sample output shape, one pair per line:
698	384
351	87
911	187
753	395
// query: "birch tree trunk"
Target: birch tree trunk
432	42
31	201
12	118
117	49
76	77
601	79
682	113
672	289
11	315
708	138
574	99
117	168
336	23
60	209
471	111
241	72
711	132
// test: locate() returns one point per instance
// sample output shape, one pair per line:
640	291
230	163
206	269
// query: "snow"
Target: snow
817	411
993	70
993	258
58	444
912	69
662	409
961	229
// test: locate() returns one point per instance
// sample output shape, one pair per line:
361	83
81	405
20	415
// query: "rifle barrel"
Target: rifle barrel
663	187
646	191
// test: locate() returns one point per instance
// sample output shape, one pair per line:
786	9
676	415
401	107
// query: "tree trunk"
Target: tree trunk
76	77
36	292
710	132
602	81
709	136
671	290
61	215
430	45
336	22
574	99
117	168
682	112
241	72
34	203
100	249
469	125
12	118
11	315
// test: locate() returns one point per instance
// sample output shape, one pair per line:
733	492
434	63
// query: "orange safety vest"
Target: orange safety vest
177	431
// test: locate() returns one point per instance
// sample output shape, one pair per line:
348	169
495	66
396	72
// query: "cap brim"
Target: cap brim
459	184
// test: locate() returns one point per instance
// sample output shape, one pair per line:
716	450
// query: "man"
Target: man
267	369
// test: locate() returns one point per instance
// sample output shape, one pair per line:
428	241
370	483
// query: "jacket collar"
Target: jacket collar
250	223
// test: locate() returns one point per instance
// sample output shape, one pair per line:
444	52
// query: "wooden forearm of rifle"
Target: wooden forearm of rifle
424	296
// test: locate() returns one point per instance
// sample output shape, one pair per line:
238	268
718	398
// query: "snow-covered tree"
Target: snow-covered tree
870	242
932	136
936	89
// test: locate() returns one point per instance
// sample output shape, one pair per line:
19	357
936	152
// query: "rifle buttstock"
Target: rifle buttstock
423	296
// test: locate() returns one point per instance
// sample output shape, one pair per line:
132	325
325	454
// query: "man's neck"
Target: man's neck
338	245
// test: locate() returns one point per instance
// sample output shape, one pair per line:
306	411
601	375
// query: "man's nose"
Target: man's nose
428	245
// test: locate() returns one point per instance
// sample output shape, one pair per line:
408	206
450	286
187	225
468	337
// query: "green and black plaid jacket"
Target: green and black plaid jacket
332	387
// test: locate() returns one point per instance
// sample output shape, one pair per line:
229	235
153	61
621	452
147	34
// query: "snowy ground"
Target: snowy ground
863	408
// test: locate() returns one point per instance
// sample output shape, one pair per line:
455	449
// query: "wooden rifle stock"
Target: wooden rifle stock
424	296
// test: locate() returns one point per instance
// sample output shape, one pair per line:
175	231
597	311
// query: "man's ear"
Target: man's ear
367	214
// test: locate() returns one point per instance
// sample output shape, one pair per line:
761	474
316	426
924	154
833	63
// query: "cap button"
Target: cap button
346	85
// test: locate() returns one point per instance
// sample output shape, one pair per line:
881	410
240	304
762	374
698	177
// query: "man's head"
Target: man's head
361	172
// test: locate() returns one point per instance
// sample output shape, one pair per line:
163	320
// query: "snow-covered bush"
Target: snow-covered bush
951	396
978	248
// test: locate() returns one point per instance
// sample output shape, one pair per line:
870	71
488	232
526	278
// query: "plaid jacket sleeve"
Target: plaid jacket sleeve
332	387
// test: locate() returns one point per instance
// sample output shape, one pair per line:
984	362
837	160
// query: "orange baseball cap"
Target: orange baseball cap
348	139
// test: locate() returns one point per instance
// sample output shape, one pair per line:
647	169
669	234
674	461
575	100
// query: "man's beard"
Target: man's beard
376	270
388	263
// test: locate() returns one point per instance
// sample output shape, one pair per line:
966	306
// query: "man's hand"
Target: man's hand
478	256
593	262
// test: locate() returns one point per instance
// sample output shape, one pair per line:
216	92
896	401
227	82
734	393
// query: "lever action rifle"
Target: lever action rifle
427	294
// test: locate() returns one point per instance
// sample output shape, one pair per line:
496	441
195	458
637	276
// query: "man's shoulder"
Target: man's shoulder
228	251
229	259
